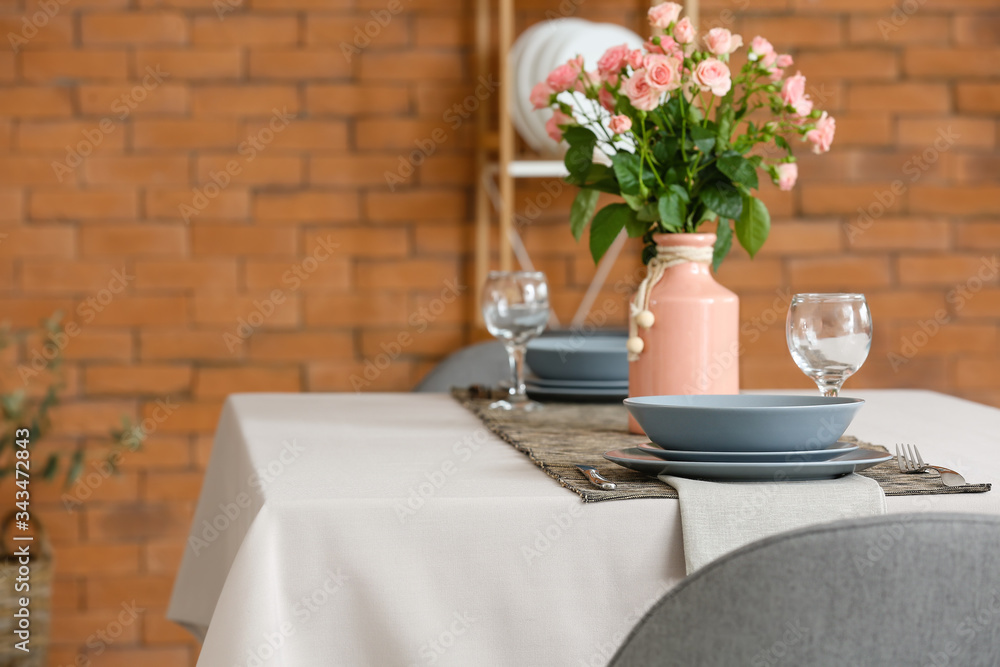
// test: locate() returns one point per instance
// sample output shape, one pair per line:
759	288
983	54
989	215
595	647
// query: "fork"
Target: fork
909	461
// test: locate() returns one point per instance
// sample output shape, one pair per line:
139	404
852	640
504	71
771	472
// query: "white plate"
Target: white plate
637	459
519	103
836	449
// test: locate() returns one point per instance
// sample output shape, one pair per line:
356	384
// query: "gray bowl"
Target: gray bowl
578	357
744	422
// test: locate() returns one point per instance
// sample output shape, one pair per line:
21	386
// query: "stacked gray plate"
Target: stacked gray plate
746	437
578	367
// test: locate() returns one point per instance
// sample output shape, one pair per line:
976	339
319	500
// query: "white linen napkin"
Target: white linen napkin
718	517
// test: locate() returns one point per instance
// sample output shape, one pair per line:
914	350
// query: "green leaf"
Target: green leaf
738	168
703	138
648	213
607	224
753	226
635	227
666	150
723	198
673	210
578	135
582	211
578	161
626	167
723	242
780	142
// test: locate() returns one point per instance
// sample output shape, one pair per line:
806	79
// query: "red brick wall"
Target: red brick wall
249	248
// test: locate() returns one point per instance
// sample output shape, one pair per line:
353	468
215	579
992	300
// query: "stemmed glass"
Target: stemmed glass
829	336
516	309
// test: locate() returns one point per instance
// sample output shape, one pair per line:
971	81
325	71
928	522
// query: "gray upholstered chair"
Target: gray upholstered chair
483	363
898	590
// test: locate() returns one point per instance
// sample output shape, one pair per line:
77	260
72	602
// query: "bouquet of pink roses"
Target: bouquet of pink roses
678	130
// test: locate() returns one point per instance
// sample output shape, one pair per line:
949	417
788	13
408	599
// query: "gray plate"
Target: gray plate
744	422
579	384
577	395
836	449
579	357
637	459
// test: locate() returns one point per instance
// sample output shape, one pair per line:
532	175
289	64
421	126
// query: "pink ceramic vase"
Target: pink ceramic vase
692	346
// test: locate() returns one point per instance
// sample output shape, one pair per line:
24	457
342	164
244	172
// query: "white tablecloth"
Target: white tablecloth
394	529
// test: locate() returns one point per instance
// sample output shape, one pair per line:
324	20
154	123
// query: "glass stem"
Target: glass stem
515	353
828	388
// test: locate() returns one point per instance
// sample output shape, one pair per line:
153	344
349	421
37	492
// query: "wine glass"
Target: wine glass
829	336
516	309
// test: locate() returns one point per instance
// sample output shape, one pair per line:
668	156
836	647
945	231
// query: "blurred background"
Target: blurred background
223	196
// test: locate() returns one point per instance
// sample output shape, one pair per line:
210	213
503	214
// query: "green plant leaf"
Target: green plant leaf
723	198
602	177
635	227
666	150
703	138
738	168
582	211
580	155
626	166
723	242
673	210
607	224
753	226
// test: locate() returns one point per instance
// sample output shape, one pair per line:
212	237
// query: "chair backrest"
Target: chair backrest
907	589
483	363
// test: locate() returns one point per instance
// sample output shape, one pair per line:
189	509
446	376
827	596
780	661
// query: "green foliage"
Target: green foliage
607	224
20	410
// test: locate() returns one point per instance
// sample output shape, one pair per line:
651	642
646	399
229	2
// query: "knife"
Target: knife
596	479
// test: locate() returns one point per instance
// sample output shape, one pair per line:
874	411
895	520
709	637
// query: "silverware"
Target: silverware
909	461
596	479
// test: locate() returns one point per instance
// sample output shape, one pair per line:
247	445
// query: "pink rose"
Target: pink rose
712	74
564	77
760	47
667	47
793	94
721	42
620	124
552	125
586	80
613	60
662	72
822	135
635	59
661	16
540	95
684	31
784	60
642	95
607	99
788	173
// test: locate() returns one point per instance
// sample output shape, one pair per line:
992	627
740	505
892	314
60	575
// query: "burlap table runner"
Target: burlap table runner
566	434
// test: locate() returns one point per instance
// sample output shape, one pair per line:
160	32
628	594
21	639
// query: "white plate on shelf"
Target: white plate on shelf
637	459
836	449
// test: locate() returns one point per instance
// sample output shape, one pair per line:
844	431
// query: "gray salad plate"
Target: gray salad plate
838	448
792	471
599	357
744	422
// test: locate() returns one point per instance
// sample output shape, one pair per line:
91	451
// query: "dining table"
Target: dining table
398	529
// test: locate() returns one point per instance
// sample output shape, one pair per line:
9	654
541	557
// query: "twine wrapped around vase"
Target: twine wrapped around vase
639	314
